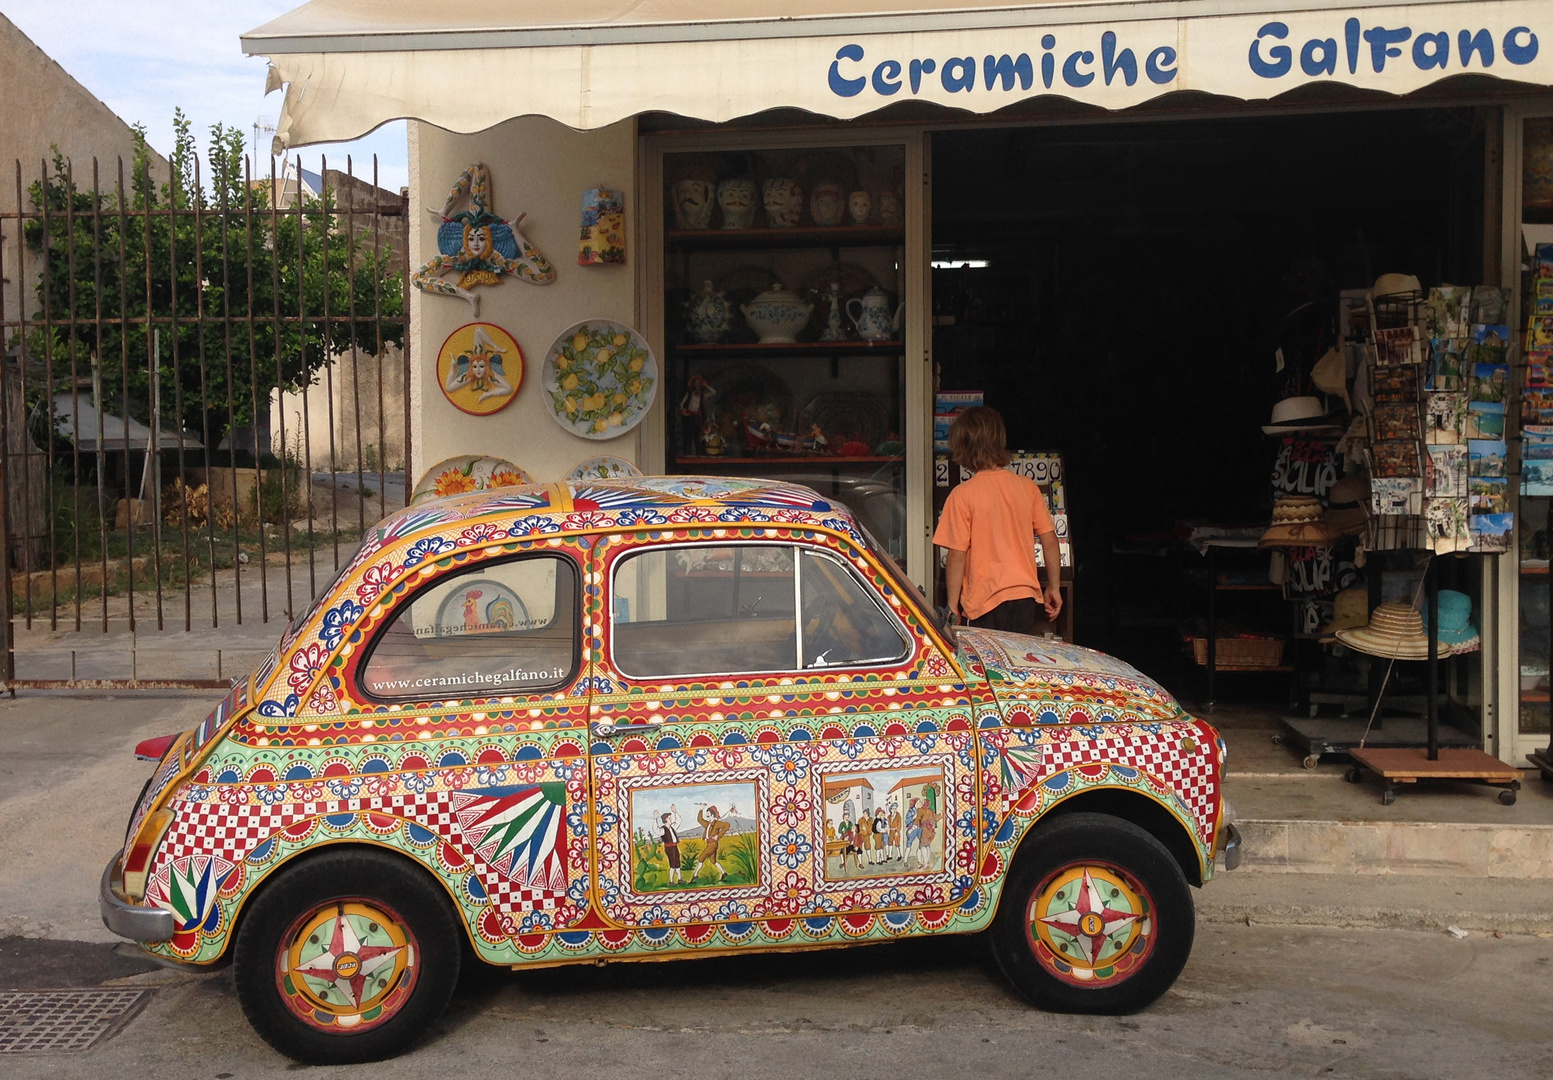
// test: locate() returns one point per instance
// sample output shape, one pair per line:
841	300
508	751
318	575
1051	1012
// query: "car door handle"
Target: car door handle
607	729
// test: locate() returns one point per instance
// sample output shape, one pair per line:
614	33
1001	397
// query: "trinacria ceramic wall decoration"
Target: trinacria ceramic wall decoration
480	368
478	245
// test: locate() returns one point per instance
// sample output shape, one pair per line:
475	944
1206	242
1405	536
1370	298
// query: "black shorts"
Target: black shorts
1019	616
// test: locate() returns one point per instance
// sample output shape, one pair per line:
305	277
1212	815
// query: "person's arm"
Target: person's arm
954	578
1051	554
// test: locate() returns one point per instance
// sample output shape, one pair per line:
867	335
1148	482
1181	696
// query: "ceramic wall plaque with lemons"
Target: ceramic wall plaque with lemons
601	379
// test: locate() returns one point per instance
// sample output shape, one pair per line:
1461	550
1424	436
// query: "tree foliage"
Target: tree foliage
245	297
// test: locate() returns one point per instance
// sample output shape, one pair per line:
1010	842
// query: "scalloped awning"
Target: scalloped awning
350	65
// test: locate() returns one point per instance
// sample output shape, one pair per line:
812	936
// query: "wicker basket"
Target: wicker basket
1240	652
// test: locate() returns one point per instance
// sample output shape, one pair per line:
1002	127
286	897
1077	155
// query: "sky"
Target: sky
145	58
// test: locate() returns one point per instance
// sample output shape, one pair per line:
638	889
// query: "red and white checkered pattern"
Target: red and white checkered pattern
231	831
1190	774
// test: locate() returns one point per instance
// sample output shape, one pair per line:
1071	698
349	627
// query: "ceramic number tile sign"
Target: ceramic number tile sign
480	368
603	227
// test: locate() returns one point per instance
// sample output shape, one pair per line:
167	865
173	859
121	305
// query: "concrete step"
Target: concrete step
1399	848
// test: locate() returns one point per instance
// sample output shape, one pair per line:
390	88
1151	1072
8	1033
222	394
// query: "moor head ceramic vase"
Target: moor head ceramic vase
737	199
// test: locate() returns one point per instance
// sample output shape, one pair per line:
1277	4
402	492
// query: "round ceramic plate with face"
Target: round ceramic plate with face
603	467
467	472
480	368
601	379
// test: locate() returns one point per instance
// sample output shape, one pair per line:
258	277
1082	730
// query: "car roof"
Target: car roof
604	504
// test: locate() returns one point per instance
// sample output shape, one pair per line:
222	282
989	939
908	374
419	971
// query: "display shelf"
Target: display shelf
792	348
785	459
813	236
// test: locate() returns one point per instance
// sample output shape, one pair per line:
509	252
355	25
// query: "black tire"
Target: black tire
1147	882
365	895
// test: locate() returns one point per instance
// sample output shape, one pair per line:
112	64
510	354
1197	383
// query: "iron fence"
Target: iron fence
204	405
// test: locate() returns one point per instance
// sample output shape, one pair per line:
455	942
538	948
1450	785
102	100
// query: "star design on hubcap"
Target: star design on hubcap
346	964
1090	921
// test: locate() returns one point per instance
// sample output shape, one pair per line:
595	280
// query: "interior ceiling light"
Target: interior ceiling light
960	264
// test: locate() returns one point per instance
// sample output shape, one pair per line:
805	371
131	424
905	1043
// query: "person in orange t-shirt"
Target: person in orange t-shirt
988	526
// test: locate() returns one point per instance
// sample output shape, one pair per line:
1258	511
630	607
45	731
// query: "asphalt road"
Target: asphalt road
1254	1001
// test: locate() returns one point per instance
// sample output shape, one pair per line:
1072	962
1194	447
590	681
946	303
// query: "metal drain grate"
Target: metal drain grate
63	1021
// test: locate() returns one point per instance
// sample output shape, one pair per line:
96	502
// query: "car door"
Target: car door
776	738
478	668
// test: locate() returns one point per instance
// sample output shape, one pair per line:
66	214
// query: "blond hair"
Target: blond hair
978	440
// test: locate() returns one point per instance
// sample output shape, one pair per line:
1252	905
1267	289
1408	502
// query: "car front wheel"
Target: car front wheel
346	957
1096	917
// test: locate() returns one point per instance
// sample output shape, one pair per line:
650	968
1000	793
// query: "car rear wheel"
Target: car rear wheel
346	957
1096	917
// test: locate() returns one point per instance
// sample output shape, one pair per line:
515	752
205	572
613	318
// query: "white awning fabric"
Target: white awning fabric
351	65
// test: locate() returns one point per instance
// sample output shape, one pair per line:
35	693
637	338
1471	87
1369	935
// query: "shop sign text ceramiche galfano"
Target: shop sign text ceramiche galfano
1392	49
982	68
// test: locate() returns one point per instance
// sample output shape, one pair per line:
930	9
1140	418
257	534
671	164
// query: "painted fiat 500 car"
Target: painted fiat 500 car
656	718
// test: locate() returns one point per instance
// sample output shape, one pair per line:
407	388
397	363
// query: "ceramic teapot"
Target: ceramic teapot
873	318
777	315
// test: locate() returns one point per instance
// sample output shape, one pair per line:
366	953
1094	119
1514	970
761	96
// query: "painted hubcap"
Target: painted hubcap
1091	924
347	965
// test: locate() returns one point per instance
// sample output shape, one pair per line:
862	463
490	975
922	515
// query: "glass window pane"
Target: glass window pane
843	625
705	610
488	629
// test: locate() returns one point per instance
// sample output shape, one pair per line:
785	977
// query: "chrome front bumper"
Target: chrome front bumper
1233	849
130	920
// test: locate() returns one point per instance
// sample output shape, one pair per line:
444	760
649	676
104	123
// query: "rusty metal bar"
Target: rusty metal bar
97	396
6	546
134	507
280	387
199	329
325	224
154	403
26	439
306	381
119	684
48	404
75	391
253	390
183	468
377	329
355	354
225	180
404	310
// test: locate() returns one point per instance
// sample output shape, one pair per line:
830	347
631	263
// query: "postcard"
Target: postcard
1446	522
1539	366
1398	346
1445	419
1537	477
1490	304
1446	363
1488	494
1390	385
1395	459
1396	421
1536	442
1542	296
1485	420
1392	496
1542	262
1491	532
1541	332
1447	471
1449	311
1490	344
1489	382
1486	457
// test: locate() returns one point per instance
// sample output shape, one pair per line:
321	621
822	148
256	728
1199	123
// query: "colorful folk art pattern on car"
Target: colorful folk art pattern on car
1045	681
491	795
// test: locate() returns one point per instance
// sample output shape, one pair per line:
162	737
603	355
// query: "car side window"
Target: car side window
492	628
843	624
728	610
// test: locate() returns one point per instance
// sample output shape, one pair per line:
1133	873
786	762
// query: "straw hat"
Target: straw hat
1300	414
1350	610
1298	521
1348	503
1391	284
1395	632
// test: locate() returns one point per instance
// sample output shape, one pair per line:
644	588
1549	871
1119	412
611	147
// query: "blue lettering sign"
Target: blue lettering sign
1003	67
1481	43
1437	57
1161	65
1381	41
1110	63
1282	58
1515	51
846	87
959	74
920	68
887	78
1323	64
1070	72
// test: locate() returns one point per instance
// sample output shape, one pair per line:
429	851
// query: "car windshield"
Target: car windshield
907	587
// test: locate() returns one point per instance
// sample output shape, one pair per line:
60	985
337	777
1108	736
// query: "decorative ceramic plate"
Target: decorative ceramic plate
603	467
601	379
480	368
467	472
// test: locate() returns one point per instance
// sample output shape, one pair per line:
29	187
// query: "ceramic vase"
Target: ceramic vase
859	206
777	315
693	202
737	199
784	203
708	314
889	208
828	204
834	331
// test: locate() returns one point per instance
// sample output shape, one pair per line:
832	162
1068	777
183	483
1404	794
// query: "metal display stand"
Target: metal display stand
1409	765
1543	758
1214	588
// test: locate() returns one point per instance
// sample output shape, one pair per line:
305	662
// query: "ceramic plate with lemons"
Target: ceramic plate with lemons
601	378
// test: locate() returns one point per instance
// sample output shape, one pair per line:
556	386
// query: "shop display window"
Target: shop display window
784	324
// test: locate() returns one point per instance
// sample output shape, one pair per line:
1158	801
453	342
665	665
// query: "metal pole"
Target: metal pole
1434	659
